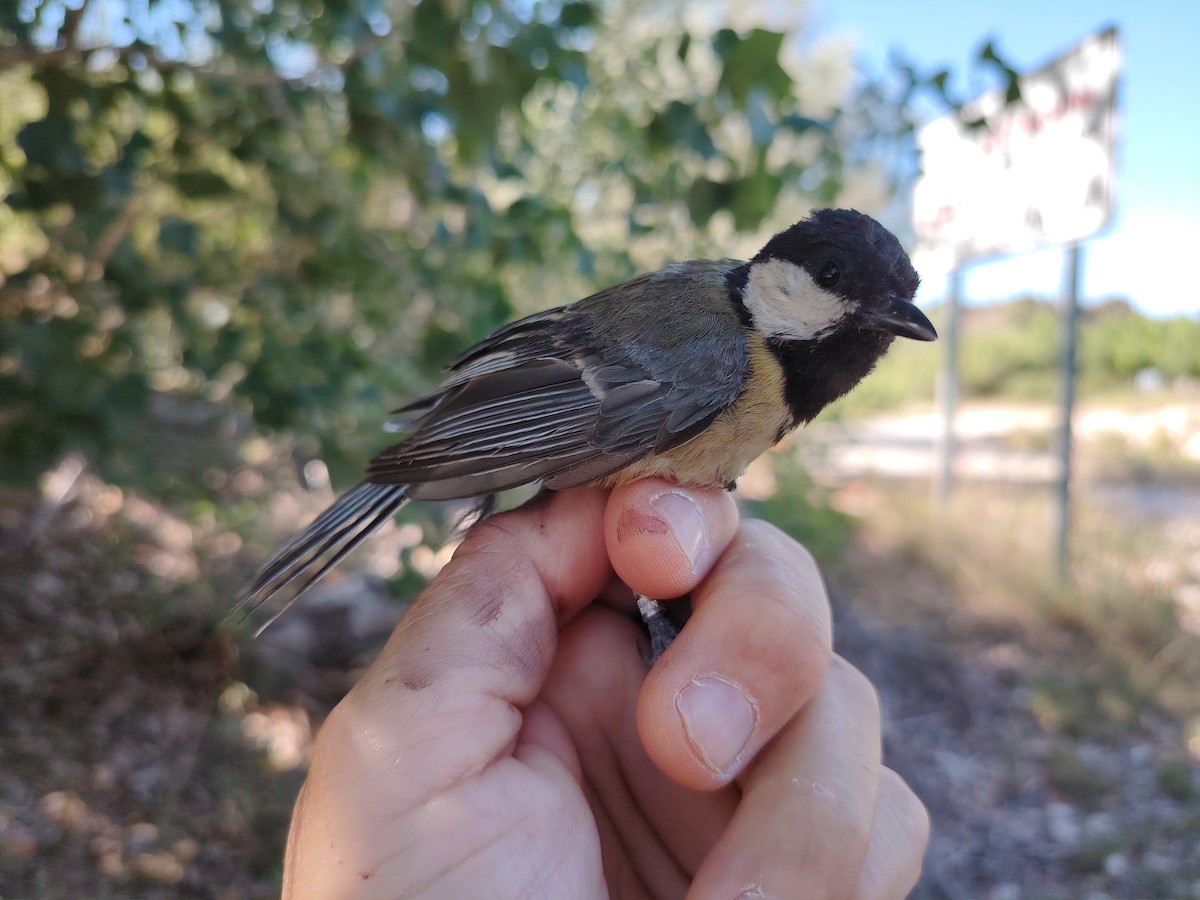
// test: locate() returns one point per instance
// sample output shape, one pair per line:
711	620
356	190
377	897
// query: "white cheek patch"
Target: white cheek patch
784	301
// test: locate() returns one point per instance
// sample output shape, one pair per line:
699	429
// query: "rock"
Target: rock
1100	827
1062	821
1116	865
142	836
186	849
1159	862
160	866
1141	755
64	808
17	842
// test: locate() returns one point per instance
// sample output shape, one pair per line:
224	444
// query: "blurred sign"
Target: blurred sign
1040	171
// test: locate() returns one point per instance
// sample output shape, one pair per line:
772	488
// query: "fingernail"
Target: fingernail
680	512
718	719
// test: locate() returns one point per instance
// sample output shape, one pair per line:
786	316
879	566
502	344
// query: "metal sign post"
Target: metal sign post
1037	172
948	390
1069	331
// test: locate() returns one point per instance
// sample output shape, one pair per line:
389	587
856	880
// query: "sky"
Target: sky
1149	253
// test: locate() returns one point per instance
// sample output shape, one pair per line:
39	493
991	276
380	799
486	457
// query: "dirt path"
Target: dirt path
1014	444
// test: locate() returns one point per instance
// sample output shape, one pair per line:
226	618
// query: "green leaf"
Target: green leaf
433	32
758	117
705	197
576	15
83	192
177	236
678	127
202	185
350	209
800	124
440	345
685	44
751	62
753	198
64	86
135	148
50	143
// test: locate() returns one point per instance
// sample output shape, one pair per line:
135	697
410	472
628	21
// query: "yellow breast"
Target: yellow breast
738	436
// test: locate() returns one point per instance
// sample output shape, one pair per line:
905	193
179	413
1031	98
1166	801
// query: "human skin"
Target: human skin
510	741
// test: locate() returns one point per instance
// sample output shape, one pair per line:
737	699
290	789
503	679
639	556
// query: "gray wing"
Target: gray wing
576	393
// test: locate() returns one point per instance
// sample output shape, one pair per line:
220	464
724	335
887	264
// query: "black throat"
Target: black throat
817	372
735	284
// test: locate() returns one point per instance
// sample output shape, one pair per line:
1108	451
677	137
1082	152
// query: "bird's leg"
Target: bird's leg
660	623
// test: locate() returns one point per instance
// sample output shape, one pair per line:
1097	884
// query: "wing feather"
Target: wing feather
333	535
567	396
575	393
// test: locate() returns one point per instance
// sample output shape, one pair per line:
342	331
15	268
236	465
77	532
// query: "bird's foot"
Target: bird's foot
661	625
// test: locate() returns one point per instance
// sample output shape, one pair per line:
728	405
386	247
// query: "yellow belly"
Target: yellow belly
737	437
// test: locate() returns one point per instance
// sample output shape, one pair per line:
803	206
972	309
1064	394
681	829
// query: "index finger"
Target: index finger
443	700
478	642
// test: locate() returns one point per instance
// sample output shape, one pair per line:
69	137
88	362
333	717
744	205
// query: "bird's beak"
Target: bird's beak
900	316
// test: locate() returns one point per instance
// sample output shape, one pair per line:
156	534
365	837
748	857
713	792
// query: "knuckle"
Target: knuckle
815	646
911	812
335	733
857	688
787	570
805	562
771	557
491	536
783	547
495	545
789	597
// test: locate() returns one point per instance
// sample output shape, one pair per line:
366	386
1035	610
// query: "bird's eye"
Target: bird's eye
829	274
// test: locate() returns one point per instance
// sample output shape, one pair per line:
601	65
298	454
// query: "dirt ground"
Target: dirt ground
143	753
1018	811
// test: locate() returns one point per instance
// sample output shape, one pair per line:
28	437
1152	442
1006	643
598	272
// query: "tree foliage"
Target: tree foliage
285	214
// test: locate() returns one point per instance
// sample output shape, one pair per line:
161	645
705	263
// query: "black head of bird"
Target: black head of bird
689	372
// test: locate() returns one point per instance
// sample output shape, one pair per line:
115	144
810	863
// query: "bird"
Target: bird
688	373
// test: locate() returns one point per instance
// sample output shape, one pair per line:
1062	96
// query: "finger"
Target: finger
808	803
753	652
442	701
486	627
663	538
647	822
899	837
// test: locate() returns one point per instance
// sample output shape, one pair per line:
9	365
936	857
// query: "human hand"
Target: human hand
509	741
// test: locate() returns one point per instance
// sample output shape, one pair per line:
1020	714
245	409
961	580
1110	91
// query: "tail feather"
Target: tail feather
331	537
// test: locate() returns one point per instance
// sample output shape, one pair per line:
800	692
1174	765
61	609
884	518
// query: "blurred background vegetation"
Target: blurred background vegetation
288	215
236	232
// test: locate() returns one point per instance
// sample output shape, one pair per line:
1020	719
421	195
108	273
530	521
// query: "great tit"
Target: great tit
687	373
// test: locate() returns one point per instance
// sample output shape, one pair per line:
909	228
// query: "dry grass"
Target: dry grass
1112	644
